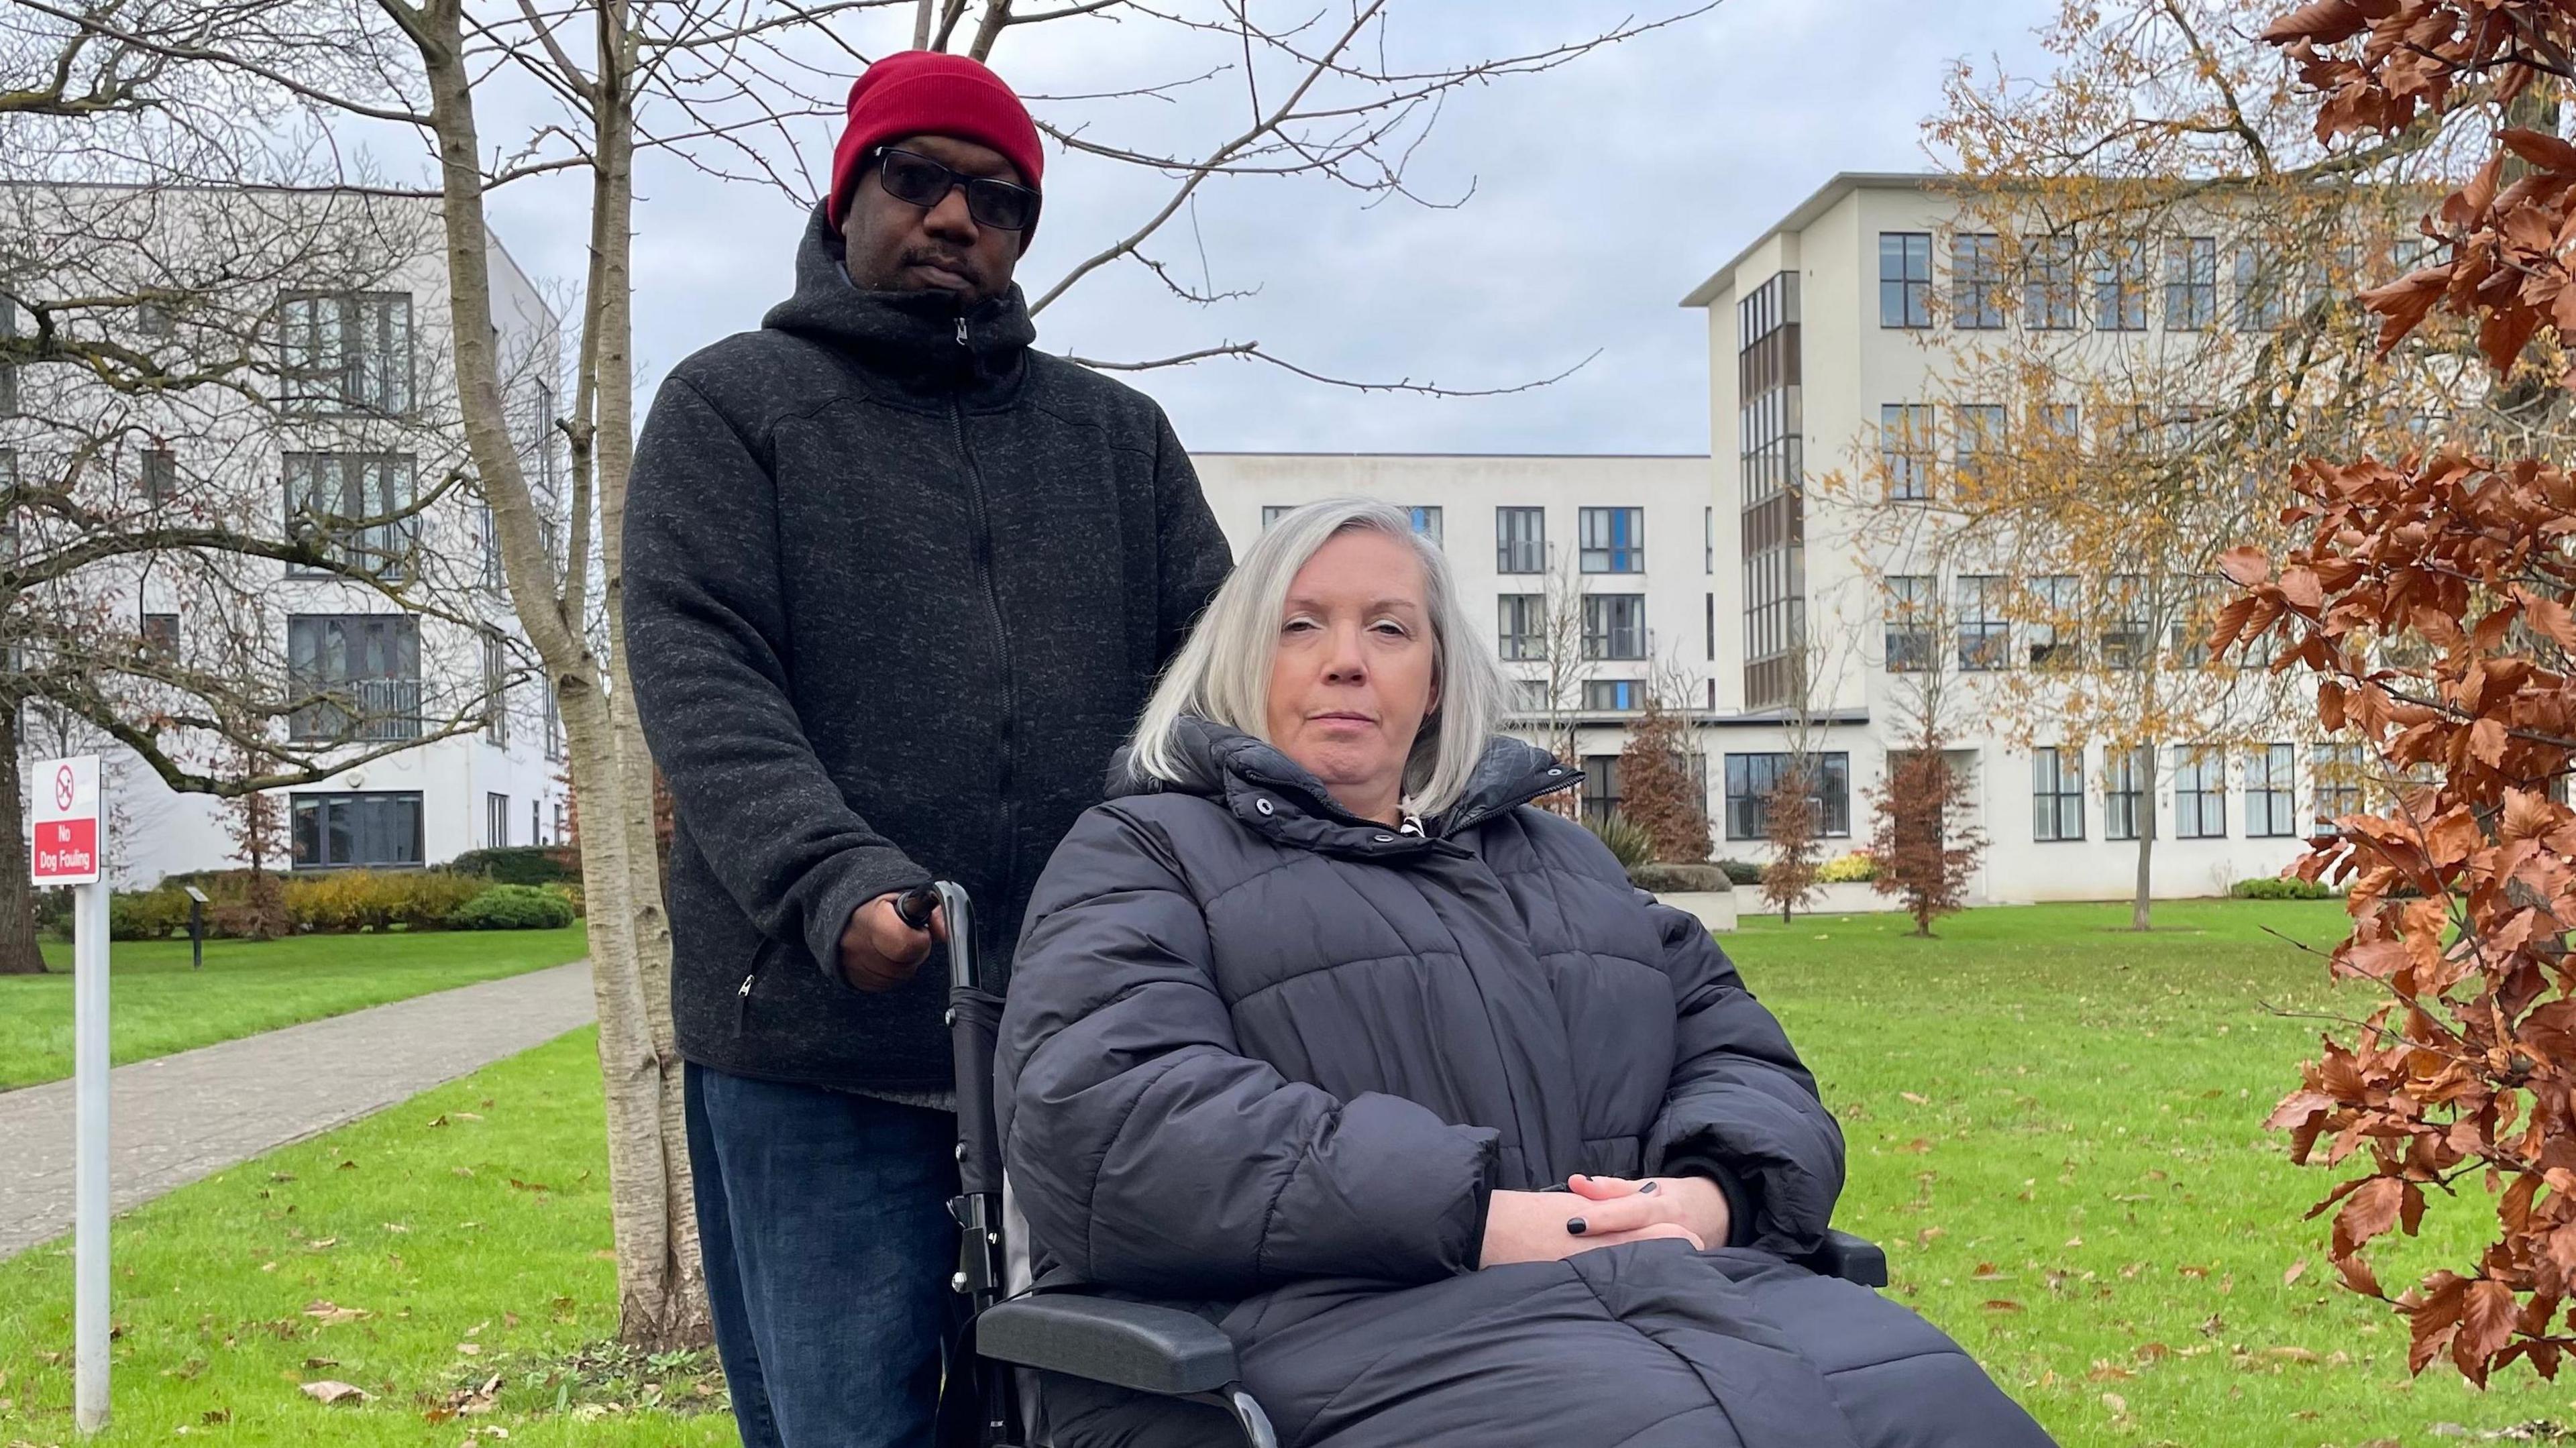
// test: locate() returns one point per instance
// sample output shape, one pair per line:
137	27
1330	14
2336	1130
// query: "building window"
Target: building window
1912	617
2271	809
544	441
1980	443
2048	284
359	506
1614	626
2262	298
334	831
2120	286
2056	795
1904	279
2126	635
160	476
1614	540
1905	449
2191	283
1977	285
1521	627
1708	541
1604	695
347	352
496	690
1520	540
2058	428
2200	794
1273	512
490	527
1425	521
1712	627
357	675
1530	696
1985	632
496	821
554	731
2336	772
1751	779
2125	809
1600	786
2057	610
1772	466
160	637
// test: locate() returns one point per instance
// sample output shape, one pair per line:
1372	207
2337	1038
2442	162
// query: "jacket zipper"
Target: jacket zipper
984	569
742	1003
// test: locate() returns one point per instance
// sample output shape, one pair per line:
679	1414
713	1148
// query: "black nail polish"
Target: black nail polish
1575	1225
1648	1187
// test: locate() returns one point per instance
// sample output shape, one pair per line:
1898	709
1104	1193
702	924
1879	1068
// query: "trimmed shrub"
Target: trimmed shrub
511	907
1629	841
344	901
569	894
1741	872
145	915
1666	878
1849	869
2270	887
522	865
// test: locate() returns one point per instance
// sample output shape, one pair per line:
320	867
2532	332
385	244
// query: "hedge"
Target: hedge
1741	872
2270	887
522	864
512	907
1667	879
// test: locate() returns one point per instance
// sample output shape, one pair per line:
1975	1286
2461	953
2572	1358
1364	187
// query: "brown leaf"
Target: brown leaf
2370	1211
2321	22
2486	1319
2297	1270
2002	1304
2247	566
2542	150
328	1390
2487	740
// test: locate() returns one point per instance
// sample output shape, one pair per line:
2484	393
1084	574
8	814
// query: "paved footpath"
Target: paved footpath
177	1118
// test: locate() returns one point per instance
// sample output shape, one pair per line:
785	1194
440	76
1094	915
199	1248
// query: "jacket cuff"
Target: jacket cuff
1743	1198
852	880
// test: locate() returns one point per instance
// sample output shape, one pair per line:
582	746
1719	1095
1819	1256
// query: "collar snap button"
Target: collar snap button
1262	805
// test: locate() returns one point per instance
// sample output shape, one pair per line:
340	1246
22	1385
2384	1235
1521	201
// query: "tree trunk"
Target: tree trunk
18	952
2140	907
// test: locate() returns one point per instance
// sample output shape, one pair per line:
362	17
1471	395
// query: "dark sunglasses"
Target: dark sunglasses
916	179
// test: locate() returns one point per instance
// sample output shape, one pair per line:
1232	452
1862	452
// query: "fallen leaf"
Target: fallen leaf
2109	1373
281	1176
2297	1269
2118	1405
267	1266
1928	1236
1916	1147
2074	1241
470	1349
529	1186
321	1244
216	1415
348	1166
2289	1355
396	1227
317	1364
1986	1272
330	1390
1916	1099
2147	1352
2194	1272
604	1255
2002	1304
328	1311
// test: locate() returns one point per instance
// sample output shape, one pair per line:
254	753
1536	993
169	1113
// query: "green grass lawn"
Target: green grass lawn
2056	1129
417	1255
158	1005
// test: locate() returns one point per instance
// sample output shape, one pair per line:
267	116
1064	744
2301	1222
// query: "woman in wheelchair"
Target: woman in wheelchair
1319	1027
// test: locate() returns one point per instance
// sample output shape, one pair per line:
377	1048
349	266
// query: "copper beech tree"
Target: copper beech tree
2431	597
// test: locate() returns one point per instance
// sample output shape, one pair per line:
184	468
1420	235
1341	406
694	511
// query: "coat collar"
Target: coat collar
1275	796
924	342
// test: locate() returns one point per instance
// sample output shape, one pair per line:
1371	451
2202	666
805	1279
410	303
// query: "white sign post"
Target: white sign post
70	848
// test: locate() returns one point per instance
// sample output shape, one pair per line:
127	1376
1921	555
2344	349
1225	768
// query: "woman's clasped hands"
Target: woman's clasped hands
1601	1211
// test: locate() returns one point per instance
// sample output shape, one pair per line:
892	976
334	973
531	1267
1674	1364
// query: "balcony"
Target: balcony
361	711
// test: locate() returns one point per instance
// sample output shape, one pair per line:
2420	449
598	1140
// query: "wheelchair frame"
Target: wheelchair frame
1144	1348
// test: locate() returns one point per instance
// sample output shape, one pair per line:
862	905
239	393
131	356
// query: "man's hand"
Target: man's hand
879	952
1541	1226
1620	1205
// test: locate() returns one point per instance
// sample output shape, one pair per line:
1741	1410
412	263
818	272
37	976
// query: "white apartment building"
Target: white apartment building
1819	334
362	423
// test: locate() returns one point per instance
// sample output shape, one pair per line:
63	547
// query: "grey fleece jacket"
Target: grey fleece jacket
897	586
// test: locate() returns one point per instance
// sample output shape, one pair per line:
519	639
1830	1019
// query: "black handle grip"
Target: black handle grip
914	906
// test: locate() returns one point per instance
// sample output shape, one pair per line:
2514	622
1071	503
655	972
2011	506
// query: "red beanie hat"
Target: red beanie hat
926	93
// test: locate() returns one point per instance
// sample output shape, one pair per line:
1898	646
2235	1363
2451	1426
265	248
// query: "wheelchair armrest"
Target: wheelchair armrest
1853	1259
1133	1345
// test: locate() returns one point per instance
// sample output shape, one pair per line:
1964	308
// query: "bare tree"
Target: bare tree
729	86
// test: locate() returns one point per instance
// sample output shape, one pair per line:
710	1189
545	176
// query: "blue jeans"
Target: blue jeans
823	1222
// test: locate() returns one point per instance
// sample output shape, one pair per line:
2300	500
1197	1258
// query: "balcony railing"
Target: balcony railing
361	711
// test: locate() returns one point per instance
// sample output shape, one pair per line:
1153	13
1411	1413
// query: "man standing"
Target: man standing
897	585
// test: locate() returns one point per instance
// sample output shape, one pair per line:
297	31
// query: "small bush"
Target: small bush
345	901
1666	878
1629	841
1741	872
1851	869
2270	887
511	907
146	915
569	894
522	865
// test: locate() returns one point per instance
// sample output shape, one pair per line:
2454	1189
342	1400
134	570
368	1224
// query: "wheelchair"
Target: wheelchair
1138	1346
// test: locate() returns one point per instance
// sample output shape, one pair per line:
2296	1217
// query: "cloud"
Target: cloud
1602	193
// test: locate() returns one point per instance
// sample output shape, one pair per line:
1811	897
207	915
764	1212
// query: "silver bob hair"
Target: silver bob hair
1222	674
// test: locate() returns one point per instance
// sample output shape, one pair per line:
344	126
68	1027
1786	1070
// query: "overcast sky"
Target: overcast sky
1603	192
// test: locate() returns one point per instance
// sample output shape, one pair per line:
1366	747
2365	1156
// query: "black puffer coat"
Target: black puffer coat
1264	1056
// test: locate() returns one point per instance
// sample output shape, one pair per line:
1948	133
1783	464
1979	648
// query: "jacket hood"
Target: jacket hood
911	337
1279	797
